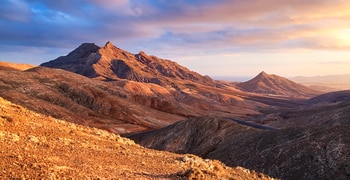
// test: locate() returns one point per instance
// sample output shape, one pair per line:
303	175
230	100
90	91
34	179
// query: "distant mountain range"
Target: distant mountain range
325	83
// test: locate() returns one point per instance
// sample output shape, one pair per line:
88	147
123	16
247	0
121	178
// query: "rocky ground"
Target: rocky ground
34	146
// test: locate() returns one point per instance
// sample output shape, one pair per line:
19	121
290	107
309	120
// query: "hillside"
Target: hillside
268	84
330	109
34	146
122	106
85	101
317	152
14	66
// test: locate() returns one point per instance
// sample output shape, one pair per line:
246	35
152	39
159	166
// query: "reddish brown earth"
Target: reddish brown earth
35	146
81	100
111	63
270	84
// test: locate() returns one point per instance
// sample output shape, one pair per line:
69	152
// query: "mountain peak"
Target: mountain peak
142	53
265	83
262	74
87	46
109	44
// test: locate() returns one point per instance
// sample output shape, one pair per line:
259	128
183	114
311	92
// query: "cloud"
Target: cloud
14	10
158	25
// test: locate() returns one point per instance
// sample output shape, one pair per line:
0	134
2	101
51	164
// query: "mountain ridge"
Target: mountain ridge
112	63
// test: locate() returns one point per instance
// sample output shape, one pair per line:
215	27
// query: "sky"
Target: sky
218	38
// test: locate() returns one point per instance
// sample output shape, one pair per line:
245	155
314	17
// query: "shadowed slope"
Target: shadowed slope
318	152
330	109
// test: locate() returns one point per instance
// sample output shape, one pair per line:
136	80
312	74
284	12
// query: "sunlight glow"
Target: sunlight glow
344	36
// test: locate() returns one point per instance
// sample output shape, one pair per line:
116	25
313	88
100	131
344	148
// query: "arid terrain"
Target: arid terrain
268	84
66	117
35	146
318	152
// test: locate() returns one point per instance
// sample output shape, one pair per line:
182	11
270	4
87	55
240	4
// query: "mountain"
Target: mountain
315	152
150	76
326	83
269	84
121	106
35	146
111	63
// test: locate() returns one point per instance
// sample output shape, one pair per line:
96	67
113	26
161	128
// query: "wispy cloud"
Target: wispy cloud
172	28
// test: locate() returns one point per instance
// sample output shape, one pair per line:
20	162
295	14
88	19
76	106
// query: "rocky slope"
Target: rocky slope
111	63
268	84
318	152
85	101
34	146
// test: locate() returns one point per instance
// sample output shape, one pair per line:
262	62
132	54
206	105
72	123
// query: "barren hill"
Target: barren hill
111	63
317	152
34	146
82	100
268	84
